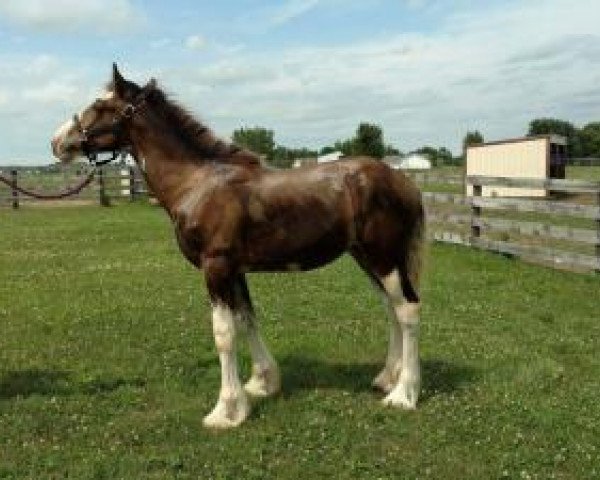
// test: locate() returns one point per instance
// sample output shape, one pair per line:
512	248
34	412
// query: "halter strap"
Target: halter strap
116	128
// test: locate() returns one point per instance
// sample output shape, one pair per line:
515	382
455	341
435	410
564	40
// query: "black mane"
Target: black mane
194	135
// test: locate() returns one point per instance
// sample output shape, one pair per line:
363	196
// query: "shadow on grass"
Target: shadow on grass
437	376
25	383
440	377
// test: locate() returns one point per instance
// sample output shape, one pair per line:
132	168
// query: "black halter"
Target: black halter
116	128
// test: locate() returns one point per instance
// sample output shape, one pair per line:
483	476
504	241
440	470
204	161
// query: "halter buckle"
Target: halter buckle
128	111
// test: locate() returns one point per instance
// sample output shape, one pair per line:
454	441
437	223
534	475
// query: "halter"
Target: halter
116	128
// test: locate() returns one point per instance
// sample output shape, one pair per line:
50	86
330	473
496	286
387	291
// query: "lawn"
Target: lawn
107	364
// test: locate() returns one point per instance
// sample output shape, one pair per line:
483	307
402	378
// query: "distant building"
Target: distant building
538	157
413	161
299	162
330	157
393	161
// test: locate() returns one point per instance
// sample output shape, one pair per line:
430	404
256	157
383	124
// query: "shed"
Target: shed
539	157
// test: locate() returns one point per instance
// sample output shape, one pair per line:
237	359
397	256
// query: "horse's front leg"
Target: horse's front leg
265	380
232	407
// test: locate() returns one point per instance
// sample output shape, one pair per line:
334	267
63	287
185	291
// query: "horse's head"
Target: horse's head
100	127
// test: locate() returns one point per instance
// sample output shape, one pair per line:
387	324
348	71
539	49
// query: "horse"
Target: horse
233	215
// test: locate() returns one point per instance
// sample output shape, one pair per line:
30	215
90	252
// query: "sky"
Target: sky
426	71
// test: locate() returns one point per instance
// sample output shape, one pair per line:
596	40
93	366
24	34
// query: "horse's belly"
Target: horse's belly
291	252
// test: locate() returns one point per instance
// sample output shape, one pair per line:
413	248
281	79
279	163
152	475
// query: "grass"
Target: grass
107	364
583	173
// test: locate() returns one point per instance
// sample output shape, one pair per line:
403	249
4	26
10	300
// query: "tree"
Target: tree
369	141
347	147
549	126
257	139
392	151
281	158
326	150
444	156
472	138
431	153
589	137
284	157
437	156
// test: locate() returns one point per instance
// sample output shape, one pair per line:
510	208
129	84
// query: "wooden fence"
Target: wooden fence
562	230
584	162
110	184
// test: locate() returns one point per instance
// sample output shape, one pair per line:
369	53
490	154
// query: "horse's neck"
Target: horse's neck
168	171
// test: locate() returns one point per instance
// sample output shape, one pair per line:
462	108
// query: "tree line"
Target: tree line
582	142
369	140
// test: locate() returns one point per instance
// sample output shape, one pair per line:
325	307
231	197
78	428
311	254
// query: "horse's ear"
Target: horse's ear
118	82
151	85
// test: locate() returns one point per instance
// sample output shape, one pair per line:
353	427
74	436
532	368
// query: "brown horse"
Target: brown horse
232	215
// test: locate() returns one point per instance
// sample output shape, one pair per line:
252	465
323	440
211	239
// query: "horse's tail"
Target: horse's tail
411	265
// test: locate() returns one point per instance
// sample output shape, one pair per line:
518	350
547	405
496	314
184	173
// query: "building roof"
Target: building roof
555	139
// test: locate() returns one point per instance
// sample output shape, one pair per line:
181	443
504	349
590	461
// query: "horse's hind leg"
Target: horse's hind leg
388	376
265	379
405	392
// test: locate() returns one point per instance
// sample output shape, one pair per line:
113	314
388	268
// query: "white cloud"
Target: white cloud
492	69
291	10
195	42
60	15
486	69
53	92
37	93
161	42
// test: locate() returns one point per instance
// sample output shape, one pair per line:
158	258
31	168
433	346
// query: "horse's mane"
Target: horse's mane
194	135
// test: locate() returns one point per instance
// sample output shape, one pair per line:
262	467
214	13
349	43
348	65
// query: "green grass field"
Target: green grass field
583	173
107	364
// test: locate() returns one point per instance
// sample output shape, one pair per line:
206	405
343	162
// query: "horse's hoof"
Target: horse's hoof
403	396
264	384
385	381
228	413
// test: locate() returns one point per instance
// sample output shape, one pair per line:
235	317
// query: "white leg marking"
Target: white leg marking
265	380
406	392
233	407
402	365
388	377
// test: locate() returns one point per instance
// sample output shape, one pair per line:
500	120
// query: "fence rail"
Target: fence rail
536	206
551	184
110	184
496	224
584	162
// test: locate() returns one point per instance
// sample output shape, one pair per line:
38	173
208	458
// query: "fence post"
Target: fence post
132	191
103	198
15	192
598	232
475	213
